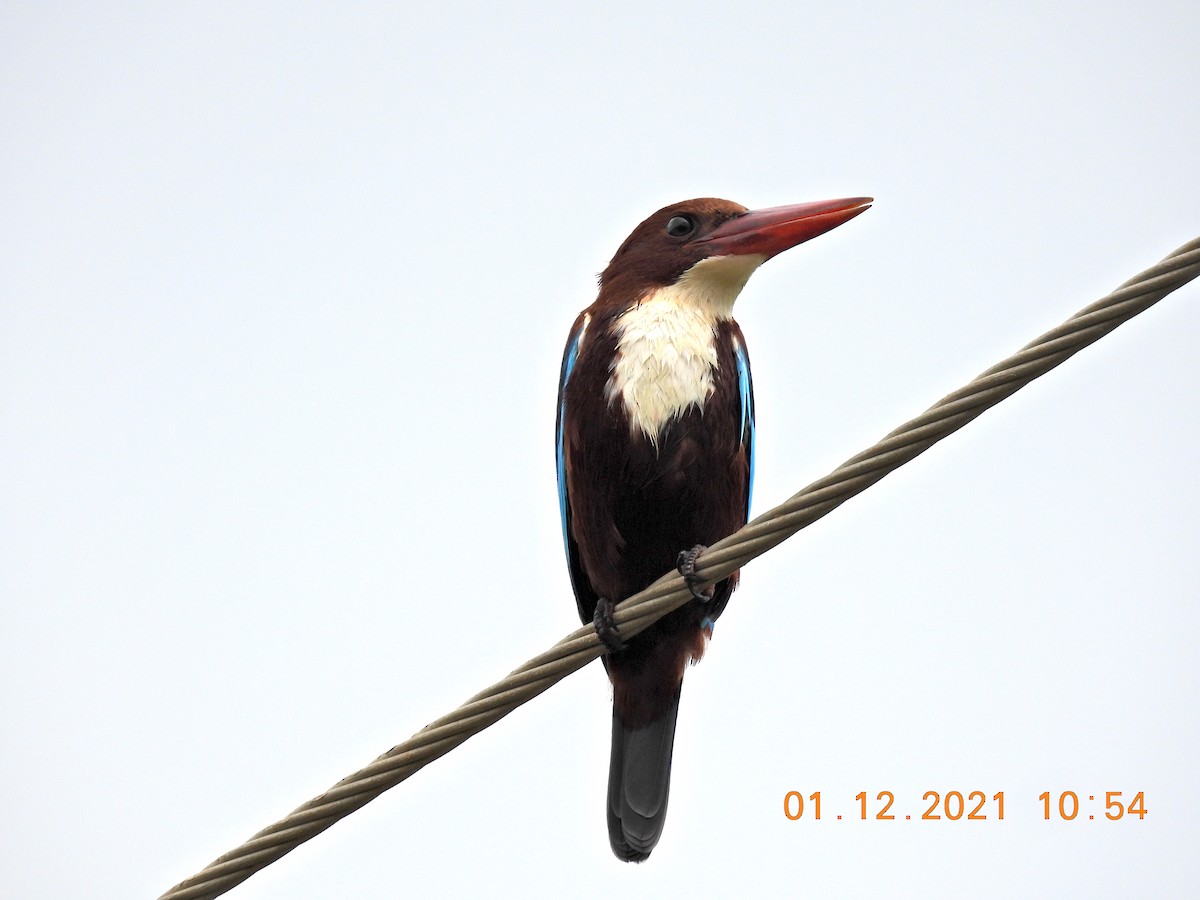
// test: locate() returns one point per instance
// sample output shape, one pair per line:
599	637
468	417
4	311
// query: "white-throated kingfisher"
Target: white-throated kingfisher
655	448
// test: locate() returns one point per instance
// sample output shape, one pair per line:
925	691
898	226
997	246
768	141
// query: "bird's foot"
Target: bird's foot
606	628
686	563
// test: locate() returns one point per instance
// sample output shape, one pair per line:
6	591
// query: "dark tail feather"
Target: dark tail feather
639	779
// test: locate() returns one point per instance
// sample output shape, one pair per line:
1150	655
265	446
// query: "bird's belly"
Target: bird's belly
678	493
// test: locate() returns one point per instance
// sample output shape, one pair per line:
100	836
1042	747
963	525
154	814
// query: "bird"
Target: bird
655	454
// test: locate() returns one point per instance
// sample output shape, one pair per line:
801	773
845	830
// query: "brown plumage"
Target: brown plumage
655	446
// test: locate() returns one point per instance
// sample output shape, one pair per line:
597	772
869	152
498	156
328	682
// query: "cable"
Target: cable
635	614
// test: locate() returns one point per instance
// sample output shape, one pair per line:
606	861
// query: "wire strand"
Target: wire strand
638	612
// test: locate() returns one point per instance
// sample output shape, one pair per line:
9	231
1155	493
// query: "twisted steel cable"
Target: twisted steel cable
669	592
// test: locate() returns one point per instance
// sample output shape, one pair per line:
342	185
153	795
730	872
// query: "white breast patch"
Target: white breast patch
665	360
666	345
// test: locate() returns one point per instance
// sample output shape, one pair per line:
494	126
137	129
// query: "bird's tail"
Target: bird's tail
639	779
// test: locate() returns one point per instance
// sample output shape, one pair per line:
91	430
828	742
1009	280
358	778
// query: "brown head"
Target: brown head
670	243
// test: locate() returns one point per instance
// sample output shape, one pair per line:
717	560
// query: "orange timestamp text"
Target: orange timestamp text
970	806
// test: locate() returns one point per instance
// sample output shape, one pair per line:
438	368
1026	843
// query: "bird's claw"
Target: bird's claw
606	628
686	563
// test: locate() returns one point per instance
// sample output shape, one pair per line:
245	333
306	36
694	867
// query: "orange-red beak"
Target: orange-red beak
771	231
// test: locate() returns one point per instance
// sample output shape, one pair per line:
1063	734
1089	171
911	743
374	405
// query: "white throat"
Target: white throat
666	344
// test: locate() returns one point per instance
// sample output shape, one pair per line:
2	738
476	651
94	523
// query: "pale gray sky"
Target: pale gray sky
283	291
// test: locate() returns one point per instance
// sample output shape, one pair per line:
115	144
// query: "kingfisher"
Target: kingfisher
655	452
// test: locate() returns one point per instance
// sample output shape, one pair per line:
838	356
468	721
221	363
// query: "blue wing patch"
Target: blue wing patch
746	395
746	401
570	355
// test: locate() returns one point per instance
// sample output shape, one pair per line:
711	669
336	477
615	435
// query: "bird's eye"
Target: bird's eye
681	226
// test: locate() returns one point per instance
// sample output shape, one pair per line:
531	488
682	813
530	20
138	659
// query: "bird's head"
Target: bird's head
708	248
